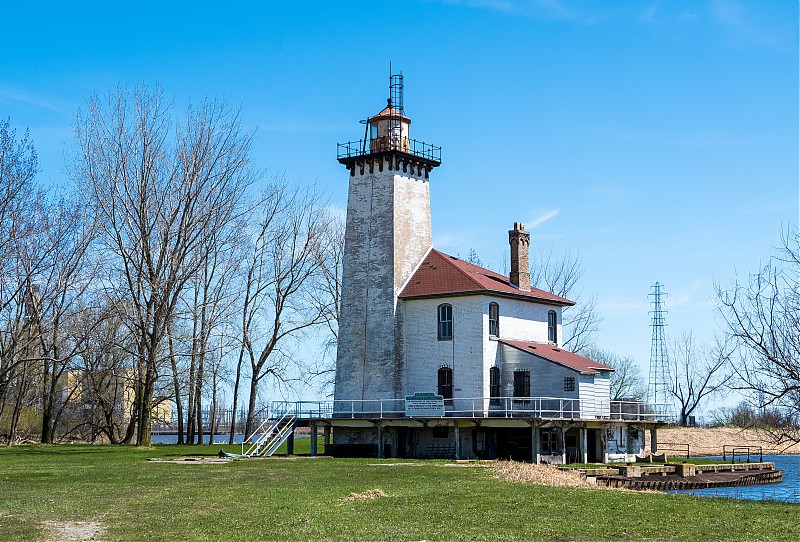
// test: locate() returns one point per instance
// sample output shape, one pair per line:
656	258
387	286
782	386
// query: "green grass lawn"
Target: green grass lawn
276	499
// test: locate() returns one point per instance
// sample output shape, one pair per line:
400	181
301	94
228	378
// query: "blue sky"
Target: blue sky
657	139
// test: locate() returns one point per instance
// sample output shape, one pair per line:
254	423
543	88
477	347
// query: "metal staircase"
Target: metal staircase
274	431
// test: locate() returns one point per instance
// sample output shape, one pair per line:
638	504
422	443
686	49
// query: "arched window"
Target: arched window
445	386
445	312
494	385
552	327
494	319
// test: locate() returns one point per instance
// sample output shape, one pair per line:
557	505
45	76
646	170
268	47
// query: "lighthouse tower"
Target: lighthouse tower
388	232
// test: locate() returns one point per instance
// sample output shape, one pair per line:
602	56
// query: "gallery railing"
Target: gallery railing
363	147
481	407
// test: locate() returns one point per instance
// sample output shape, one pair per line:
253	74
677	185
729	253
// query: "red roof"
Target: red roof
442	274
559	356
391	113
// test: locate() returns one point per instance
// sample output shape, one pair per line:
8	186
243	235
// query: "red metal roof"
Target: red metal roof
442	274
391	113
559	356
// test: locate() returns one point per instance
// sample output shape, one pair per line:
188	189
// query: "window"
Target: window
441	431
494	319
522	383
445	387
551	441
569	383
552	327
494	385
445	322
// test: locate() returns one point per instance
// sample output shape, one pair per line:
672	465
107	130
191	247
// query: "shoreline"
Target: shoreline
708	441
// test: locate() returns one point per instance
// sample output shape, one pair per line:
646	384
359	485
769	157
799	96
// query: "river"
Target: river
219	438
788	490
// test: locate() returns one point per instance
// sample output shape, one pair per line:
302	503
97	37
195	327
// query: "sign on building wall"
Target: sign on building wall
424	405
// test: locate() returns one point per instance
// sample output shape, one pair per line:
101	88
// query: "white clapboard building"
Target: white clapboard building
438	357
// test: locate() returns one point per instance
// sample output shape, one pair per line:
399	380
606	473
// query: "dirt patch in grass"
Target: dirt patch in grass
539	474
394	464
74	531
365	496
190	460
709	440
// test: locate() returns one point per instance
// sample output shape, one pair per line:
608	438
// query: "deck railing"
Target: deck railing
481	407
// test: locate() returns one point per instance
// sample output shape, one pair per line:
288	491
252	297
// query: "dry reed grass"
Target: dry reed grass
367	495
539	474
709	441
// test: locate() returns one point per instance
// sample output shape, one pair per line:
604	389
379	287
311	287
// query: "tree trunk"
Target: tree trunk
176	387
251	409
236	395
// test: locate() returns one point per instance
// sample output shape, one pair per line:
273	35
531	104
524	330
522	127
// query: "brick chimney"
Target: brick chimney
519	240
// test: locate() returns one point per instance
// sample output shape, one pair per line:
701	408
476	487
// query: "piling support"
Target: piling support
313	439
326	439
536	449
457	435
584	445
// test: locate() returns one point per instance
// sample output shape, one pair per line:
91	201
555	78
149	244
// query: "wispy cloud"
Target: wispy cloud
284	123
742	25
552	9
708	139
621	305
20	96
541	219
453	239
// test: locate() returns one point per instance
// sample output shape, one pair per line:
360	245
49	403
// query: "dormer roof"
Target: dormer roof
440	274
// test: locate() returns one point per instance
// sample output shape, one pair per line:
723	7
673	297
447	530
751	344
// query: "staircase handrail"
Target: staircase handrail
273	425
279	437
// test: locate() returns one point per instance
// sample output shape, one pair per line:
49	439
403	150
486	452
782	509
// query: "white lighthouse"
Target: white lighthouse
387	235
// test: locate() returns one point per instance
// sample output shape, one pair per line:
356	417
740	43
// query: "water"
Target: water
219	438
787	491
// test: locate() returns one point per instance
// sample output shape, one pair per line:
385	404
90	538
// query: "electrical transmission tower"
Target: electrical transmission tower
658	383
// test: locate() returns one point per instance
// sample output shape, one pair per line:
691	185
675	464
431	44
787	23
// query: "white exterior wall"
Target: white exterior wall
525	320
424	353
388	232
547	378
602	390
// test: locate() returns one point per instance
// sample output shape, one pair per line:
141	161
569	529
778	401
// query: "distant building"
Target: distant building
438	357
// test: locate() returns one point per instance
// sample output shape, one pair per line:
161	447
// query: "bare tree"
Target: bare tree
108	373
626	381
60	312
281	270
696	373
22	255
762	317
157	200
559	275
211	308
329	252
